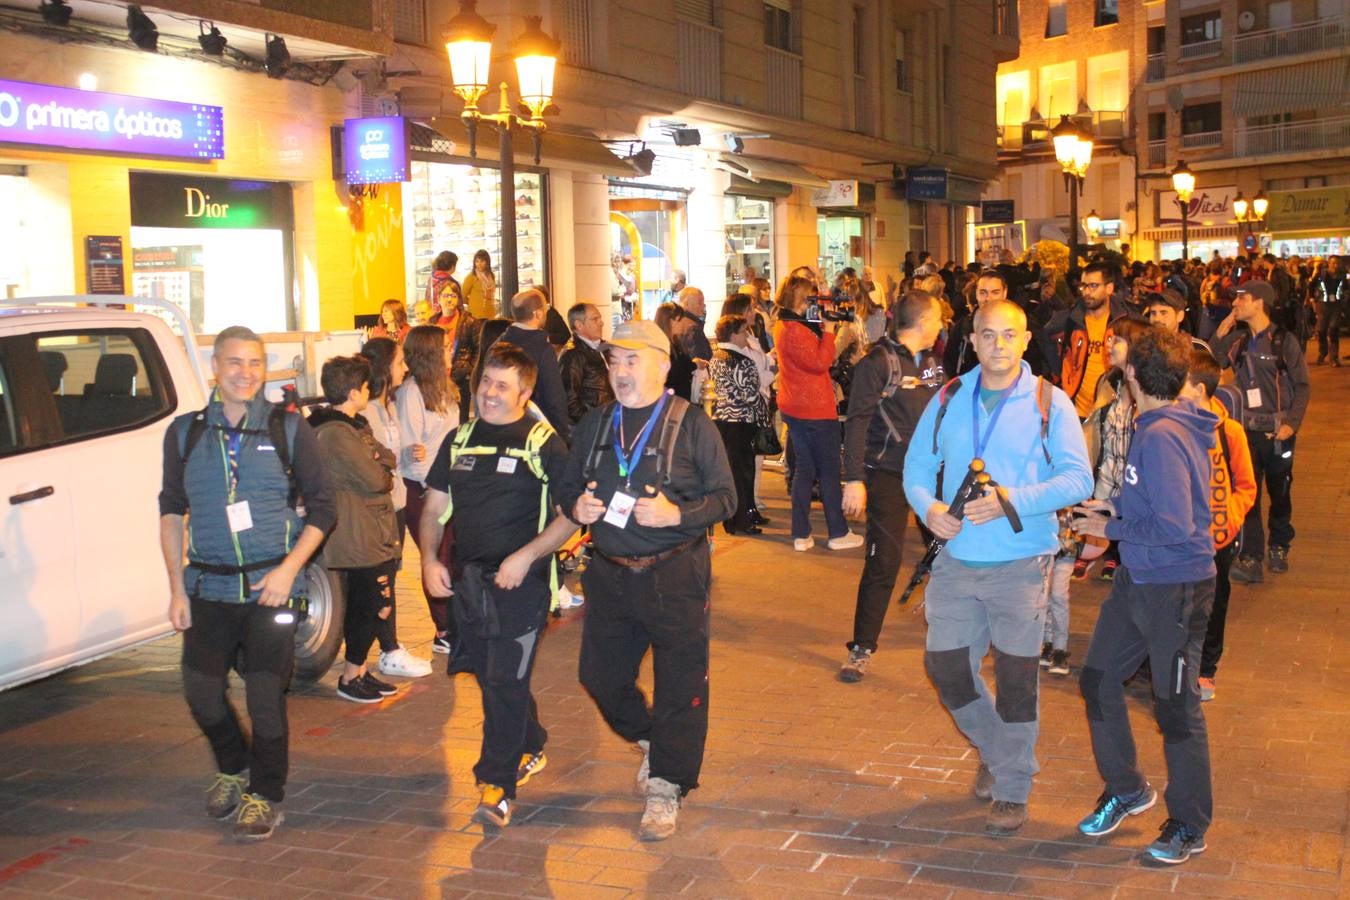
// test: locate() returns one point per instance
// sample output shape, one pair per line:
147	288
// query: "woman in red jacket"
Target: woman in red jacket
806	400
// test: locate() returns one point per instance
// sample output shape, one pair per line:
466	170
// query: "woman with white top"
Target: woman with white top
387	369
766	367
428	410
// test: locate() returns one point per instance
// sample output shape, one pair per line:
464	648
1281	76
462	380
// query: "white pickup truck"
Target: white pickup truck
88	386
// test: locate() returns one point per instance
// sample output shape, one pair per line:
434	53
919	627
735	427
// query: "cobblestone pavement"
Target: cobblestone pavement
810	787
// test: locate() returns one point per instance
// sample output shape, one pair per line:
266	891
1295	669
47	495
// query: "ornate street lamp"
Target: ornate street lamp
468	43
1073	151
1250	214
1093	222
1183	183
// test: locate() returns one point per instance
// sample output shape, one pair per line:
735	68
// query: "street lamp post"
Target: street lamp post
1073	152
1183	182
1093	222
468	43
1250	214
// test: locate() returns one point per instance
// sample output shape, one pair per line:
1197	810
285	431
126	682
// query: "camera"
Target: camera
817	313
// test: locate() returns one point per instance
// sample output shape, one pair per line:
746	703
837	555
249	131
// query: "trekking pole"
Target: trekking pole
971	487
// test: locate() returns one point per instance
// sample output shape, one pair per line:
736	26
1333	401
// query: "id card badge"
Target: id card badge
506	465
620	509
239	516
1254	398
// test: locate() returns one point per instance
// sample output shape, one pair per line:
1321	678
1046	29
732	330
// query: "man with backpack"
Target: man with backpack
235	471
891	387
1269	397
493	477
988	586
649	474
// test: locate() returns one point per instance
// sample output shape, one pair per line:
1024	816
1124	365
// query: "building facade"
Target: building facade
1251	95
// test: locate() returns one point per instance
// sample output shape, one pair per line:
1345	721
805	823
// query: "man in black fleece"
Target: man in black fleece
530	311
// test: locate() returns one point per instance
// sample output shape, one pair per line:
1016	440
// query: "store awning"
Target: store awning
753	168
561	150
1218	232
764	188
1311	86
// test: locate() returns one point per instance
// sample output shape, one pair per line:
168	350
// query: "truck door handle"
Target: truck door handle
27	496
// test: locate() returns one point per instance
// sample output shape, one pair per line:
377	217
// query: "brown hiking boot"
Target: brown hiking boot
984	784
1005	818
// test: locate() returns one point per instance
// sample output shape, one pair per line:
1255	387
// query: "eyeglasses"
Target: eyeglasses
1090	285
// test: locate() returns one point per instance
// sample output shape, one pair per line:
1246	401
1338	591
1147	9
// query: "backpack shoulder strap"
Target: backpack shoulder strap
534	443
1227	458
1044	401
670	430
598	443
892	368
945	394
281	431
192	434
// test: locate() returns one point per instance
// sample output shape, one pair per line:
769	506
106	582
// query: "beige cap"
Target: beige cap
640	334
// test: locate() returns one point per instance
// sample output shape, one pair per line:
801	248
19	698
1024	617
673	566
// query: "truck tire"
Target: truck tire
319	635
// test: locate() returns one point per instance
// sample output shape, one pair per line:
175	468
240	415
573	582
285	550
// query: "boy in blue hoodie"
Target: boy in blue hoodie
1158	606
988	585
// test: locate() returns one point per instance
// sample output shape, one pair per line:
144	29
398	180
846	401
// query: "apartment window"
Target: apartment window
1057	18
902	61
859	39
778	24
1157	41
1202	27
1157	126
703	12
1202	118
1005	17
410	21
1108	13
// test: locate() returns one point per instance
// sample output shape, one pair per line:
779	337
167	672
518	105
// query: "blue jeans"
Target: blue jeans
816	444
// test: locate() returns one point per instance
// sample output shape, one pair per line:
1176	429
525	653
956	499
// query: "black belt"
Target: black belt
645	562
213	569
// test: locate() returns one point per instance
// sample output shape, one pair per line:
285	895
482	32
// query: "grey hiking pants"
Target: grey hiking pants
971	609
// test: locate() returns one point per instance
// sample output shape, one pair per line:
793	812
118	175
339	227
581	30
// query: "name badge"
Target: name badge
239	517
620	509
1254	398
506	464
464	464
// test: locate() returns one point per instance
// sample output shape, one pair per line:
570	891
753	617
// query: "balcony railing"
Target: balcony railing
1005	17
782	83
1157	67
1202	140
1201	49
1105	123
1308	37
699	50
1157	154
1295	137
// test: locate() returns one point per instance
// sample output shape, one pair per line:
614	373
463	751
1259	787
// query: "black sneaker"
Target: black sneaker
1279	560
855	667
440	643
1059	663
383	688
1247	570
357	691
1176	843
1046	650
531	764
1109	570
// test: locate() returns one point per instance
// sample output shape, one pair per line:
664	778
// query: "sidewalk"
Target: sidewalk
810	786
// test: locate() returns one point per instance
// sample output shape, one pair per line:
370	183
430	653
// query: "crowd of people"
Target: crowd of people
1107	421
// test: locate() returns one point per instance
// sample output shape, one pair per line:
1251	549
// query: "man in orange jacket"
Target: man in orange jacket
1232	493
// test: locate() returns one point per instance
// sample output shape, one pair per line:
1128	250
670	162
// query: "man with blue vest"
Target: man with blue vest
988	586
233	474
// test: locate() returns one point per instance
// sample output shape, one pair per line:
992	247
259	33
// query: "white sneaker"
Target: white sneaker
644	768
568	600
403	664
803	544
663	808
845	542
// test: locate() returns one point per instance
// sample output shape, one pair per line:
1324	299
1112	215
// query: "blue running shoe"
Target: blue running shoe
1112	810
1176	843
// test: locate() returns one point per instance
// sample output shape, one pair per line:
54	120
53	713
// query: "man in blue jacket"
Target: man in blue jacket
1159	604
988	586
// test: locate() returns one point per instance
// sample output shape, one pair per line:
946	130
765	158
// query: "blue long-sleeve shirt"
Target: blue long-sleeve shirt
1163	508
1013	457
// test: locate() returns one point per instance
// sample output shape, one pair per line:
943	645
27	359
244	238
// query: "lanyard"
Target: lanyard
627	463
233	439
980	444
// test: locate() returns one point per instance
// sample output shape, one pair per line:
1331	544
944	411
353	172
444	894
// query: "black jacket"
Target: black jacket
585	378
868	440
548	389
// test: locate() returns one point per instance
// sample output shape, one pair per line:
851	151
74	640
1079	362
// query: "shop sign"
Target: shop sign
186	201
1319	208
1209	206
104	272
1000	211
375	151
839	193
48	116
926	183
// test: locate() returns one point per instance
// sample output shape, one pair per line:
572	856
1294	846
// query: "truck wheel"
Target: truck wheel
319	634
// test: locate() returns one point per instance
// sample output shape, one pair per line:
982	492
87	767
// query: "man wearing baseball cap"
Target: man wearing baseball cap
1167	310
1269	399
648	473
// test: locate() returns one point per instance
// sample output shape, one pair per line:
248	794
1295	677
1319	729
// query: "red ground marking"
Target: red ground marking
39	859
